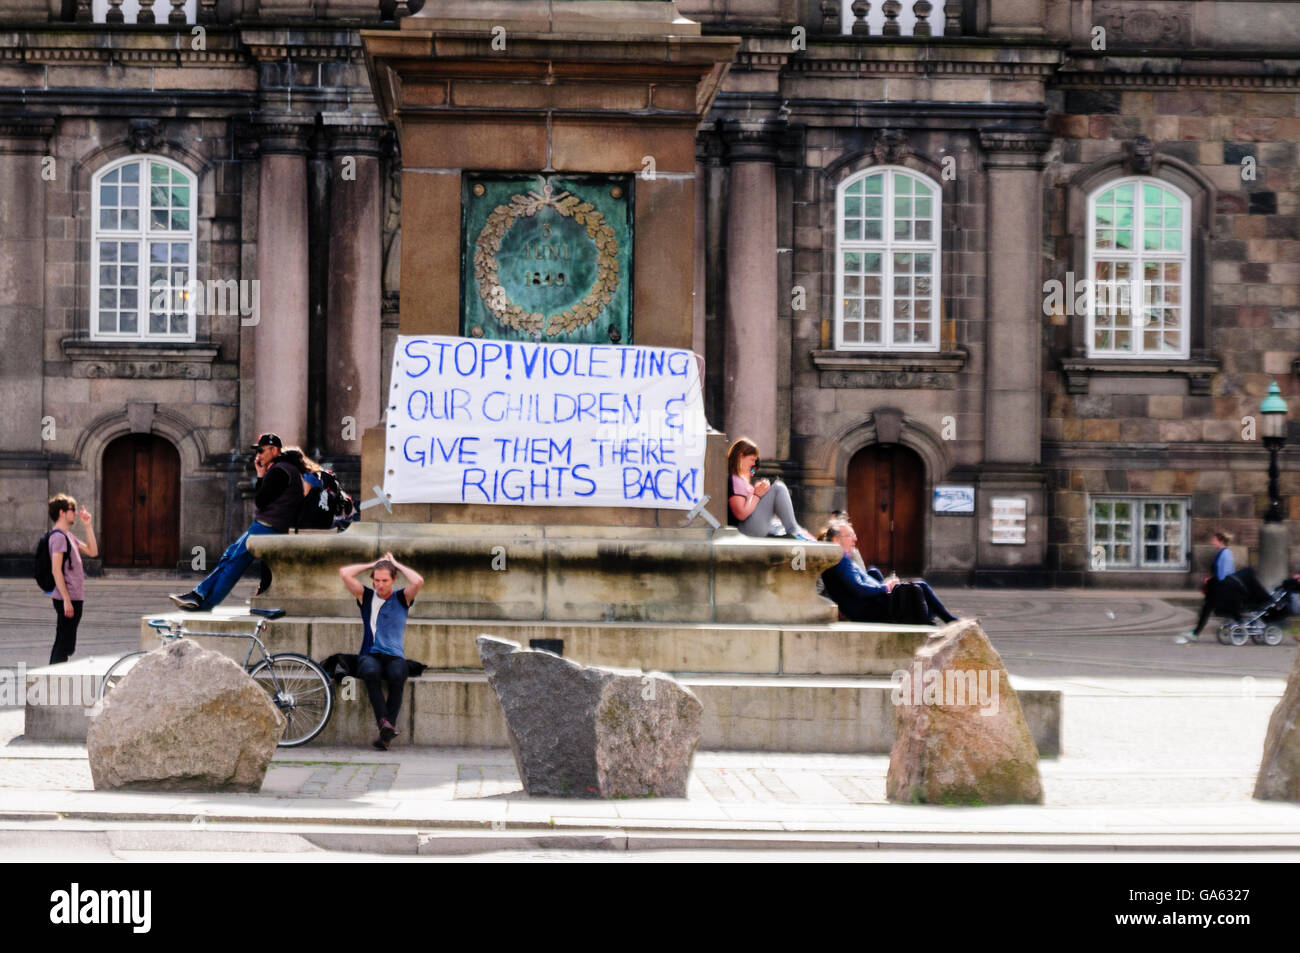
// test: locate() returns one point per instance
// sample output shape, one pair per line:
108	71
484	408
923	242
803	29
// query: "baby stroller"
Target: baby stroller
1258	610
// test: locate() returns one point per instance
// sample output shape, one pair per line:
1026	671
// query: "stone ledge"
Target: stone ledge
146	359
931	370
1198	372
562	573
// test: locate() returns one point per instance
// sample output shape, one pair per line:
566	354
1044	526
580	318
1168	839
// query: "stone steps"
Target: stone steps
837	648
827	714
741	713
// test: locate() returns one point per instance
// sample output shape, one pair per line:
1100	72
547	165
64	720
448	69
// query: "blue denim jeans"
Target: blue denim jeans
226	573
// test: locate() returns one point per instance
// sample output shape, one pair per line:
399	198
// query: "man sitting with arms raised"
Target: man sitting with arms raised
867	596
383	619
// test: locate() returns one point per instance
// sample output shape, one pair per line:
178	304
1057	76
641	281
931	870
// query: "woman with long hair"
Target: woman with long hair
752	505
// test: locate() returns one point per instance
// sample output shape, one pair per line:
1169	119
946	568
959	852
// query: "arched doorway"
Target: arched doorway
886	502
141	512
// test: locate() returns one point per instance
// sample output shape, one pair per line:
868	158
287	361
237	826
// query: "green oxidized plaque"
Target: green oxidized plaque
547	258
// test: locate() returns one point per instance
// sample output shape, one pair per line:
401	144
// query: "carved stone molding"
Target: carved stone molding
1177	78
1014	148
891	146
933	370
1140	154
912	65
284	138
270	45
1015	141
25	135
145	135
1131	24
146	361
140	415
1199	373
752	140
358	139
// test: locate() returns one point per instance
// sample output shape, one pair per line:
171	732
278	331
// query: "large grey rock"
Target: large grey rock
961	737
581	731
1279	772
184	719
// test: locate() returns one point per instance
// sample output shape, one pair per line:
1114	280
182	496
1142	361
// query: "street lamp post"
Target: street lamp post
1273	535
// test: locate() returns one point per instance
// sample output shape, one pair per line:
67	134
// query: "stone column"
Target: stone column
749	391
352	369
24	144
701	229
1013	359
280	338
1012	383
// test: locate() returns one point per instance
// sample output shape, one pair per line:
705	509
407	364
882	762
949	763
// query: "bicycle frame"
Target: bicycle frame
169	631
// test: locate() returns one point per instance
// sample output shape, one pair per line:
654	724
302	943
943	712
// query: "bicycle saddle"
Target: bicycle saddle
268	613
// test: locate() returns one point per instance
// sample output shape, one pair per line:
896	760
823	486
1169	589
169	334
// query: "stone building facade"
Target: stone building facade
1104	439
241	152
885	194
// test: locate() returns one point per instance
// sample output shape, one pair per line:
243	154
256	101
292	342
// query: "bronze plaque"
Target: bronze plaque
547	258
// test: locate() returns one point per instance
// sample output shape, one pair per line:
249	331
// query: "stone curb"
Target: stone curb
419	841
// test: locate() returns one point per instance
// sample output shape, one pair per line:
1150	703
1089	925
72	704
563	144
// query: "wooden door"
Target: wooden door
886	490
140	514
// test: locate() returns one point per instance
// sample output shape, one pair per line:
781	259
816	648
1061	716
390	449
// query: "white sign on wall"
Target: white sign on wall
954	499
1009	515
516	423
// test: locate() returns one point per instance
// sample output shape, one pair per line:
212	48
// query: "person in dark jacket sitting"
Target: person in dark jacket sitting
383	640
278	499
864	596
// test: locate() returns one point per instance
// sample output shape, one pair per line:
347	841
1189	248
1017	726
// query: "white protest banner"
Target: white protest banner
508	422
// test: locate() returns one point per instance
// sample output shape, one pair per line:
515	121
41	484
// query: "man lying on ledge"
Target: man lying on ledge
868	596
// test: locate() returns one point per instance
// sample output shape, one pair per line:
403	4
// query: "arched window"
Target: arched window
143	246
887	262
1139	264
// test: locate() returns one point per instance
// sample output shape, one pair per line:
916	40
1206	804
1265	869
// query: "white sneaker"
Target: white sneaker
1187	637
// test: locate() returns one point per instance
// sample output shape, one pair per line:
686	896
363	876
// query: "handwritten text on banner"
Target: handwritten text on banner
515	423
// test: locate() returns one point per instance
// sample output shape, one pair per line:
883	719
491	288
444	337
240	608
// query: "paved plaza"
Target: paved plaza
1161	744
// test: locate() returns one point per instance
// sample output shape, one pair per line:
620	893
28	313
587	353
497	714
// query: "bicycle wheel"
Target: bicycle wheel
116	672
301	690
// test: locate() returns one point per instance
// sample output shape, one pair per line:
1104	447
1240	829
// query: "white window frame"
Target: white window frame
142	236
1138	256
886	248
1137	540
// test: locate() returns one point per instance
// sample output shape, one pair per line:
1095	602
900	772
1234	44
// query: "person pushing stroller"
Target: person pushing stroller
1221	595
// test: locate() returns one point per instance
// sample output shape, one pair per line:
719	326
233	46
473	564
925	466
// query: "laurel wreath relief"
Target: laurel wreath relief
486	268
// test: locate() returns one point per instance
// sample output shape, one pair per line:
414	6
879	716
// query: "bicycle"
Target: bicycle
297	685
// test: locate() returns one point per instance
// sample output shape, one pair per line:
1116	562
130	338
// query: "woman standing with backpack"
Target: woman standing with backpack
67	579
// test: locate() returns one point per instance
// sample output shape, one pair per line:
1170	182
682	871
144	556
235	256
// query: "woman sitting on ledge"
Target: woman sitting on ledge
753	505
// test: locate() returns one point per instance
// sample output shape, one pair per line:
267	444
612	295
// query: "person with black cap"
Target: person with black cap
278	499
